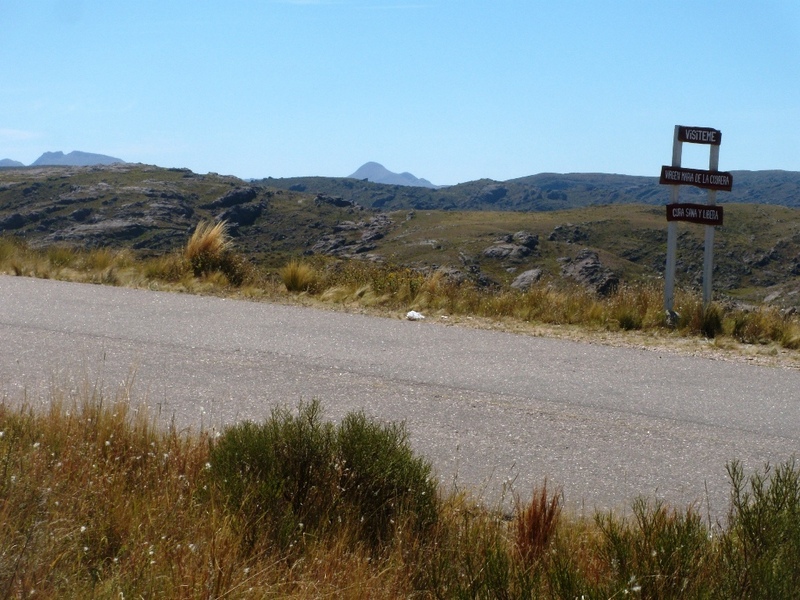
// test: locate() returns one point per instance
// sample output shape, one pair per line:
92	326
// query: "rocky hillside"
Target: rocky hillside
153	210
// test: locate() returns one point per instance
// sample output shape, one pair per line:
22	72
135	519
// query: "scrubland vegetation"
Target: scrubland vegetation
97	502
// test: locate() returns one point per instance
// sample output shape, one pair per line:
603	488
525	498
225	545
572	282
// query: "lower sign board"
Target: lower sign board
705	214
710	180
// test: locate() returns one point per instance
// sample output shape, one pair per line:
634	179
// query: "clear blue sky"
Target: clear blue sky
450	90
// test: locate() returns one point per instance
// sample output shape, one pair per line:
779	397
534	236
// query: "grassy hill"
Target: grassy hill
153	211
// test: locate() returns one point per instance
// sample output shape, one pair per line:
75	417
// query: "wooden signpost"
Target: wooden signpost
708	214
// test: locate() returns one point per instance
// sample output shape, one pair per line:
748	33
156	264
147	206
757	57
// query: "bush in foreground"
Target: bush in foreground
297	476
95	501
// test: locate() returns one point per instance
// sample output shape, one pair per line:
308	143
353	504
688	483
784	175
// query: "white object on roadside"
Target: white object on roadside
413	315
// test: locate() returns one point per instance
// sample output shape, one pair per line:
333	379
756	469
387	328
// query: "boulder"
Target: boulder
587	270
242	215
524	238
12	221
525	280
505	251
239	195
569	233
334	201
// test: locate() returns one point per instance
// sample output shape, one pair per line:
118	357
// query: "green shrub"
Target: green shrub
295	476
382	481
761	548
278	478
662	554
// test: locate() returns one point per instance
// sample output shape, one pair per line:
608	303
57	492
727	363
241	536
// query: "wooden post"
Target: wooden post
672	233
708	256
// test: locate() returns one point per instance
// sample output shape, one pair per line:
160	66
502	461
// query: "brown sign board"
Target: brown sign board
710	180
704	214
699	135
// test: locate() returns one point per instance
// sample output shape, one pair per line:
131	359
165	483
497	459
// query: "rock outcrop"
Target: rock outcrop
587	270
526	280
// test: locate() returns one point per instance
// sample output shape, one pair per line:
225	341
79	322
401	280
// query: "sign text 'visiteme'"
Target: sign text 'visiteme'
710	180
704	214
700	135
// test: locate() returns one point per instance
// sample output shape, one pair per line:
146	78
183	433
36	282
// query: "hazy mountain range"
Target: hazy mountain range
541	192
76	158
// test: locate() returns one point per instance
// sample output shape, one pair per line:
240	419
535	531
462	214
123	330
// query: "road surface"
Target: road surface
488	408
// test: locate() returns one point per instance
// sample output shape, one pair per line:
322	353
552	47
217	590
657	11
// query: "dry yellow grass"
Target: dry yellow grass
299	277
96	501
205	248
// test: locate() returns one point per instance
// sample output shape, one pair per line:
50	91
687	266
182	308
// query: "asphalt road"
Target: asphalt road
487	408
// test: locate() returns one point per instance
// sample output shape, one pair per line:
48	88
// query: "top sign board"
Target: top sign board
700	135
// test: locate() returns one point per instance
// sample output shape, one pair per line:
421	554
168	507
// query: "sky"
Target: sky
449	90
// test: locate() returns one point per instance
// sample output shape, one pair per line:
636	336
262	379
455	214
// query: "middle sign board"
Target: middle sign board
710	180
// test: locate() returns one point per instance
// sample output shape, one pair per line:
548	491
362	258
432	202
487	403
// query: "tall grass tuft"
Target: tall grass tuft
702	320
536	523
169	267
299	277
207	244
209	251
766	325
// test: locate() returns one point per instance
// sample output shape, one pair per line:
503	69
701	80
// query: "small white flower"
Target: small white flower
83	528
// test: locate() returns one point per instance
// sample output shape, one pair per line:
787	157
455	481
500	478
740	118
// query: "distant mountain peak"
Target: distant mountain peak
7	162
76	158
377	173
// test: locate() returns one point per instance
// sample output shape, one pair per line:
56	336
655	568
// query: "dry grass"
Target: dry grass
299	277
207	247
97	501
208	265
536	523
